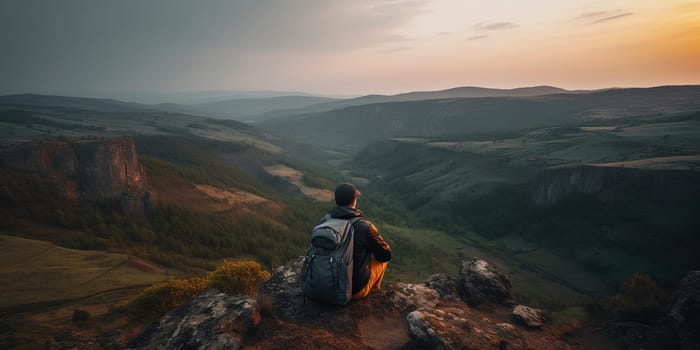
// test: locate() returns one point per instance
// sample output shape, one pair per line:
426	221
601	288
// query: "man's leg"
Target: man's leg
376	275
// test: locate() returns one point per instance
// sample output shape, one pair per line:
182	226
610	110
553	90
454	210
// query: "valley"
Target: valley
441	182
528	173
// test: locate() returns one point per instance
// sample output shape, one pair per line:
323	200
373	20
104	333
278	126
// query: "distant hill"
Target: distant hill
244	108
93	104
458	92
237	108
196	97
354	127
45	116
462	92
258	106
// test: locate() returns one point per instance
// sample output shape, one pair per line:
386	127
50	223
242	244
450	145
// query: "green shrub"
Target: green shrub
231	277
639	299
238	277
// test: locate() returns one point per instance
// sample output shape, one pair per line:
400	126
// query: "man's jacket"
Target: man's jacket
368	242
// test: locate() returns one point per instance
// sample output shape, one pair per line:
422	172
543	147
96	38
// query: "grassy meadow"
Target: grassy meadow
45	283
43	273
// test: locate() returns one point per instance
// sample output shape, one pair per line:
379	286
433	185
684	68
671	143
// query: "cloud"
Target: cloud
443	34
603	16
611	18
395	49
495	26
88	43
591	14
290	25
477	37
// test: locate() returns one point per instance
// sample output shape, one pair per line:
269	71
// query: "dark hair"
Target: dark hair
345	193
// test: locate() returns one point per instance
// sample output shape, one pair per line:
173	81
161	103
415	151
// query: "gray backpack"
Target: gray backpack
327	273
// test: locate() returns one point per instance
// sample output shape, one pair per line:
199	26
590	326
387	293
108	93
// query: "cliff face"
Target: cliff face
93	170
612	182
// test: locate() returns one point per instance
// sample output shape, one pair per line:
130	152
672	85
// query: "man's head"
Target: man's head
346	195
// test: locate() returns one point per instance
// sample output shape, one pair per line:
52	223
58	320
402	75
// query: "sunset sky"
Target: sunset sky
345	47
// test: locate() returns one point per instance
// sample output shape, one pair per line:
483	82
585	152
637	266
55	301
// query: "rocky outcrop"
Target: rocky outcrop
481	282
281	295
612	182
684	314
411	296
108	168
212	320
95	170
457	328
528	316
400	316
291	321
444	284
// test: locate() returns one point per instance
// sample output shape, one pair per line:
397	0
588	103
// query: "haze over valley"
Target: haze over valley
152	156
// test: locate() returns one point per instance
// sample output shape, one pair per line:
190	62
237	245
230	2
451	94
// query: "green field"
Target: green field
40	273
584	144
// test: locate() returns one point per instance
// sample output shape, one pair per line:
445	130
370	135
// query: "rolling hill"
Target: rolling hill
35	101
246	109
458	92
353	127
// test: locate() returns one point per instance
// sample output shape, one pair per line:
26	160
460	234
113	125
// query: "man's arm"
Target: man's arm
377	245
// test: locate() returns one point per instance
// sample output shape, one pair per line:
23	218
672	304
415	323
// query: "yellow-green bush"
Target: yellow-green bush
639	299
231	277
234	277
163	297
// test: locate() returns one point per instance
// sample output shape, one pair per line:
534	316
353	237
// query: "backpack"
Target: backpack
326	275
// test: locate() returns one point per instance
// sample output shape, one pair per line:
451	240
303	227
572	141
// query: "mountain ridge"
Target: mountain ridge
355	126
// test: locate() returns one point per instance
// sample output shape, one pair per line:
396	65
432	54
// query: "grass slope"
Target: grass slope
42	273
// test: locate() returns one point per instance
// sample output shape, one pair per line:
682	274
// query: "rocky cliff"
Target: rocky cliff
430	315
653	178
441	313
95	170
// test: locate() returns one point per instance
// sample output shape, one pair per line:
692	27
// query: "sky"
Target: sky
344	47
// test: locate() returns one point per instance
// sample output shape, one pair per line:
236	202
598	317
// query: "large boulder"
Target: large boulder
684	313
457	328
481	282
411	296
528	316
281	295
444	284
212	320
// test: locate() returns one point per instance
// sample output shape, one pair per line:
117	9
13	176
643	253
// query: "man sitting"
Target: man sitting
371	254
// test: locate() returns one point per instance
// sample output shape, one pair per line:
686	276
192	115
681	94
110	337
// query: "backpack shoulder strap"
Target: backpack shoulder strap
351	223
355	219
